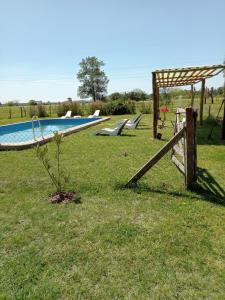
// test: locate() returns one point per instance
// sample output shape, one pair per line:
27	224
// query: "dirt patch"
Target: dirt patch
62	197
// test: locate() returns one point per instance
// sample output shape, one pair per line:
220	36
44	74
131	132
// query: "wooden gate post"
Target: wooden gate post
190	147
21	111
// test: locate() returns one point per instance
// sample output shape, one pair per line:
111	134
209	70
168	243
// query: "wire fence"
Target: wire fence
58	110
26	112
12	112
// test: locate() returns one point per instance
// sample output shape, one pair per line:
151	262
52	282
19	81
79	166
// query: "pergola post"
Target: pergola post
155	93
202	101
223	122
192	95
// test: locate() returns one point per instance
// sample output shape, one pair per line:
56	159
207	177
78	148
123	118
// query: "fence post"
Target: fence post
209	113
21	111
192	95
202	102
190	147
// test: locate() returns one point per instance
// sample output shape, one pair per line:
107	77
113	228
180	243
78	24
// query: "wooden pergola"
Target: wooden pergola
182	77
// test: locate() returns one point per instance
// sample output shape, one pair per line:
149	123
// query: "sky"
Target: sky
42	42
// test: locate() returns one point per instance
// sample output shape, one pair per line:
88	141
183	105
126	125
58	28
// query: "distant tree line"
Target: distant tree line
136	95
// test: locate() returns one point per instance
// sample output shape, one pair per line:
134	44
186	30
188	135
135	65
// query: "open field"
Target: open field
157	241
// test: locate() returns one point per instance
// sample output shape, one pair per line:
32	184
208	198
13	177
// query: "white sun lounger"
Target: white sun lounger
95	114
132	124
67	115
113	131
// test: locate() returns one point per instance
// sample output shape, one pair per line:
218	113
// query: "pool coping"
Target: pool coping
47	138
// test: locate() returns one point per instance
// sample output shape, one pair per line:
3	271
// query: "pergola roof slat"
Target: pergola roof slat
186	76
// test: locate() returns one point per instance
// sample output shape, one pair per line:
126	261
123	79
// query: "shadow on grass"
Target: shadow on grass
204	131
120	135
207	188
129	135
143	128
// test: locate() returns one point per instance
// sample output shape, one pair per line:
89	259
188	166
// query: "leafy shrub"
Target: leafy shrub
113	107
145	108
93	106
41	111
121	107
136	95
61	109
75	107
32	111
116	96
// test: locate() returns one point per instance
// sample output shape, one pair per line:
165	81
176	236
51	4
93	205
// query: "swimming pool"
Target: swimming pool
27	134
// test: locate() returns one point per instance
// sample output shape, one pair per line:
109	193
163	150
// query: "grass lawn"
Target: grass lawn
157	241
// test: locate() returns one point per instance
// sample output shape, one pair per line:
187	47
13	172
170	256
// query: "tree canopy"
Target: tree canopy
93	79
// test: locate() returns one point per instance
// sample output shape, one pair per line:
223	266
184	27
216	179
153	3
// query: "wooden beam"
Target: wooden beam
155	92
156	158
177	84
202	101
190	147
186	76
181	78
213	67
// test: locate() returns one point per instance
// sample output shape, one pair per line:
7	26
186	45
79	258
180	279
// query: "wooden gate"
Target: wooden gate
183	145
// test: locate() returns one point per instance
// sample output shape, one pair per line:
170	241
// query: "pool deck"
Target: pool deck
47	138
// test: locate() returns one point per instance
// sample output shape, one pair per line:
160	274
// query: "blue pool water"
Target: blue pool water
24	132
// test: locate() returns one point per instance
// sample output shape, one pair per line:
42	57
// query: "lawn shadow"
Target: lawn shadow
143	128
162	189
143	125
129	135
107	135
203	133
207	188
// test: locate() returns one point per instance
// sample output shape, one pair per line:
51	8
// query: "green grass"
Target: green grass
157	241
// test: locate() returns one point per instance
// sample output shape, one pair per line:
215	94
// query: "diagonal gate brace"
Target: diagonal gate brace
168	146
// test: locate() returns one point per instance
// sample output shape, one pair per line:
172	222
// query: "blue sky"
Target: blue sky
42	42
